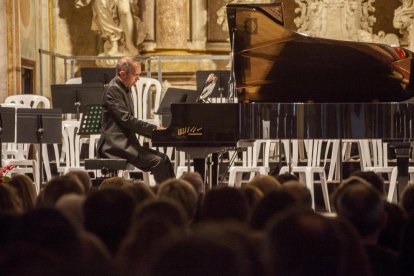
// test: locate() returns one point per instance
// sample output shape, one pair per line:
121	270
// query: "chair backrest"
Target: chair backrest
318	152
145	102
70	143
252	153
373	153
74	81
34	101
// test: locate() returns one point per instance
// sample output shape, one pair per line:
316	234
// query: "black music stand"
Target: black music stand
72	98
39	126
91	124
97	75
91	120
7	128
175	95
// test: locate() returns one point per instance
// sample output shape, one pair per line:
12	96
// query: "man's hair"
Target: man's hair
125	64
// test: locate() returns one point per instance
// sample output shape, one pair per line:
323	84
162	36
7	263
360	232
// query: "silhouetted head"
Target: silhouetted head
108	214
58	187
225	203
273	203
301	242
361	205
372	178
181	191
264	183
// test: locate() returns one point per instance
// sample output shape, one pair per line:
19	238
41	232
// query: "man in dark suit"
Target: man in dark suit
119	126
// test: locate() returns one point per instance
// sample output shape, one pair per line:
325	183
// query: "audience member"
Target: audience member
195	179
71	206
391	233
108	214
225	203
153	221
49	229
407	248
301	242
84	179
114	182
198	254
166	209
354	259
285	177
299	191
407	199
7	220
372	178
181	191
9	200
273	203
363	206
26	190
59	186
94	250
237	236
264	183
253	196
139	191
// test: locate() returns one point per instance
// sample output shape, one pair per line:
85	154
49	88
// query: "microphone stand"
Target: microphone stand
232	79
40	132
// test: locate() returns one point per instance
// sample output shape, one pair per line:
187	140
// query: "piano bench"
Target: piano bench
106	165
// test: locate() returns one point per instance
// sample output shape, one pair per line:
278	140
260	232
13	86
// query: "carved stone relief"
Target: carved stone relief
404	21
340	19
218	14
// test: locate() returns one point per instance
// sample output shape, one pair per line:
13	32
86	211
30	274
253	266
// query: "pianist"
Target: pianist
119	126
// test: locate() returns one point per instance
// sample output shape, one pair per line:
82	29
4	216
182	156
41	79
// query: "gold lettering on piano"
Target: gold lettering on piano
189	131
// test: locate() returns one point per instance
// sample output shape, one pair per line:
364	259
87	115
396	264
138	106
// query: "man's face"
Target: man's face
130	79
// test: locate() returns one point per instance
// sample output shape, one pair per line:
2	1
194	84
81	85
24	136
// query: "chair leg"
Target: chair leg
239	177
325	191
232	178
393	184
309	184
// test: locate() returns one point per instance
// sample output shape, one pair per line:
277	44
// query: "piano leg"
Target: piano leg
208	169
200	167
402	153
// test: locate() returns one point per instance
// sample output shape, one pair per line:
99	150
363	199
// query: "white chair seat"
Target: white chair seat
316	163
250	162
374	157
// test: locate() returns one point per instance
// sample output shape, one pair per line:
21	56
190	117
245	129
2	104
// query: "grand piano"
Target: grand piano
291	86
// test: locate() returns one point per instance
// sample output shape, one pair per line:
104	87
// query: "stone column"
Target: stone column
13	47
3	51
199	25
171	24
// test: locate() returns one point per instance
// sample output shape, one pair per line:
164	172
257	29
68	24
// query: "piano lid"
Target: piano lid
274	64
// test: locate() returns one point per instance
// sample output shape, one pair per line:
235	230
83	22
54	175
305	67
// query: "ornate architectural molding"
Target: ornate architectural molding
403	20
340	19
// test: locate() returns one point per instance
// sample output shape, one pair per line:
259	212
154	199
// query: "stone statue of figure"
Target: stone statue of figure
403	20
118	24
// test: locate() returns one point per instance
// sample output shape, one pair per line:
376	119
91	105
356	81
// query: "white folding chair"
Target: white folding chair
146	95
316	163
374	157
20	159
250	162
71	145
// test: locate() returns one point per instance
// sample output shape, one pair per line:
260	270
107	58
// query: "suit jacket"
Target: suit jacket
119	126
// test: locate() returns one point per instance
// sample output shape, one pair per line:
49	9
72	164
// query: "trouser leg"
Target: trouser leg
158	163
